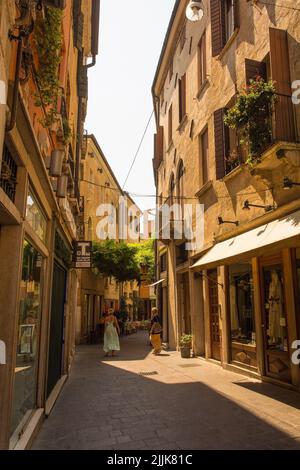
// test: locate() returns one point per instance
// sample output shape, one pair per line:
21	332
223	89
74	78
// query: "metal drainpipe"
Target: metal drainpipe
79	136
14	106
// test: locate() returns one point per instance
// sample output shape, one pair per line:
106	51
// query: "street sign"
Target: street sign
82	255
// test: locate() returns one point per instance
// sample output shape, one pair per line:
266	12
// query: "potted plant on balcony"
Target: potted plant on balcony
186	346
251	117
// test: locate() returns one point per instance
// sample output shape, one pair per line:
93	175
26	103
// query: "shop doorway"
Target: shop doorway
214	315
56	327
275	331
184	298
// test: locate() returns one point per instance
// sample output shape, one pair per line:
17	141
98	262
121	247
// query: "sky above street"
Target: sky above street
120	101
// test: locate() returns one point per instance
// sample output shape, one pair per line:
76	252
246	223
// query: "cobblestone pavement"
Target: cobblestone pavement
140	401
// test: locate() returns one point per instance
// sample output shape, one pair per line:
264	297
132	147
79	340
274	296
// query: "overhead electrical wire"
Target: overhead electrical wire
138	150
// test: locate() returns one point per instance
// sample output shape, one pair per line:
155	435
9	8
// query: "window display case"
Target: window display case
24	400
242	318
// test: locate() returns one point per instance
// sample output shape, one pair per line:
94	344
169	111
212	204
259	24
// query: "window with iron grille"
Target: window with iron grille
8	176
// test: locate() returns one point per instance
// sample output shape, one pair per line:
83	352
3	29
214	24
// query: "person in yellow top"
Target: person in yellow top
155	332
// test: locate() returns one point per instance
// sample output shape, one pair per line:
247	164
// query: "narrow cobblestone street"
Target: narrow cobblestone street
139	401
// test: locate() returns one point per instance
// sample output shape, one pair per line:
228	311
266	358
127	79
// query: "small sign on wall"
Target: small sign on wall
2	353
82	255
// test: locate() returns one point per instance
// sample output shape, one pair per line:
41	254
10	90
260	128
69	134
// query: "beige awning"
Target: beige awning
156	283
265	235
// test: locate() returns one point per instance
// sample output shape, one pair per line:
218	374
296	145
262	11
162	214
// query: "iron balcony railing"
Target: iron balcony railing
8	176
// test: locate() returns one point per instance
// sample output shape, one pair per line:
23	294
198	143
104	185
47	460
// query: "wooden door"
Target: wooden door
186	304
56	342
214	315
275	331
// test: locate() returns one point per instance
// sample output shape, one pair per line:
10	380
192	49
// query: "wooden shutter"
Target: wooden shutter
158	147
202	59
182	98
216	31
170	125
220	143
217	26
255	68
83	82
236	14
280	73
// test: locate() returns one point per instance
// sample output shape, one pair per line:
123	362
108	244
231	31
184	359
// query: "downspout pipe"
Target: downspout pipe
14	107
94	50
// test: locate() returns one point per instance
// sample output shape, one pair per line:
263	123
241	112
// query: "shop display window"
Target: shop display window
35	217
275	308
28	337
241	303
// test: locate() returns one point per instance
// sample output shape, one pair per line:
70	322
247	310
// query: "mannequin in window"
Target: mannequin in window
275	309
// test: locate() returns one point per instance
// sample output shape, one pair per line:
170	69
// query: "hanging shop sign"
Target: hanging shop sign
83	255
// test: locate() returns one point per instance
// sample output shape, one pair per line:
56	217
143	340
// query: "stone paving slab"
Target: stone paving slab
119	403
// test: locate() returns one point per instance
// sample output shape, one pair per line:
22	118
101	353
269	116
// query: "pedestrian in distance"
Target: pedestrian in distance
155	332
111	333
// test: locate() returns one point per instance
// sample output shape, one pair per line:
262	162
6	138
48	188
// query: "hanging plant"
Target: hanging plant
48	41
251	116
67	131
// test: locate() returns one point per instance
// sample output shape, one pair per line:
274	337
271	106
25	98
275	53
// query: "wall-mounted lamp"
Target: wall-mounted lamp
221	221
288	183
267	208
194	11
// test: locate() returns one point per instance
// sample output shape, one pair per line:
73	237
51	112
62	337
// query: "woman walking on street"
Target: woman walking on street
112	330
155	332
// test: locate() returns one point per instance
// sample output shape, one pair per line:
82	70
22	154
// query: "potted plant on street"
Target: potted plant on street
186	346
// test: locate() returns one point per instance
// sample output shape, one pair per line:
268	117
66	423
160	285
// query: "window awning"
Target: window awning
265	235
156	283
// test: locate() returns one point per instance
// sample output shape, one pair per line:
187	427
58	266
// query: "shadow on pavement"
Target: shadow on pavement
104	406
288	397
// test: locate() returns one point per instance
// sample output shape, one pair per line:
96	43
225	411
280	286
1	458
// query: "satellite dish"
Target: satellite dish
194	11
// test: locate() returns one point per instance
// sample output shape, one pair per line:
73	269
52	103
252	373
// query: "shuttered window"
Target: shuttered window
221	143
182	98
78	20
224	21
171	70
158	147
202	60
280	73
183	38
82	81
254	68
170	125
204	156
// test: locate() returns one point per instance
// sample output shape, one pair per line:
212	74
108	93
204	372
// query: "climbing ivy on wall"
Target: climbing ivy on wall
48	41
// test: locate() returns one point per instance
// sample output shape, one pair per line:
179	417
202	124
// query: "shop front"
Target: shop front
253	285
28	333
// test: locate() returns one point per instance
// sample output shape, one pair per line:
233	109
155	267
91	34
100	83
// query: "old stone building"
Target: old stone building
98	292
238	294
42	132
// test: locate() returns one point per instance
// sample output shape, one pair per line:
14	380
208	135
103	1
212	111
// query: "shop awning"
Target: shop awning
265	235
156	283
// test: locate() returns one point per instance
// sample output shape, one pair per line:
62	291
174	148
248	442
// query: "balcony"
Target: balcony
8	176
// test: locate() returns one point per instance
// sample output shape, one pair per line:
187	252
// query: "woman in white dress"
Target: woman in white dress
111	334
